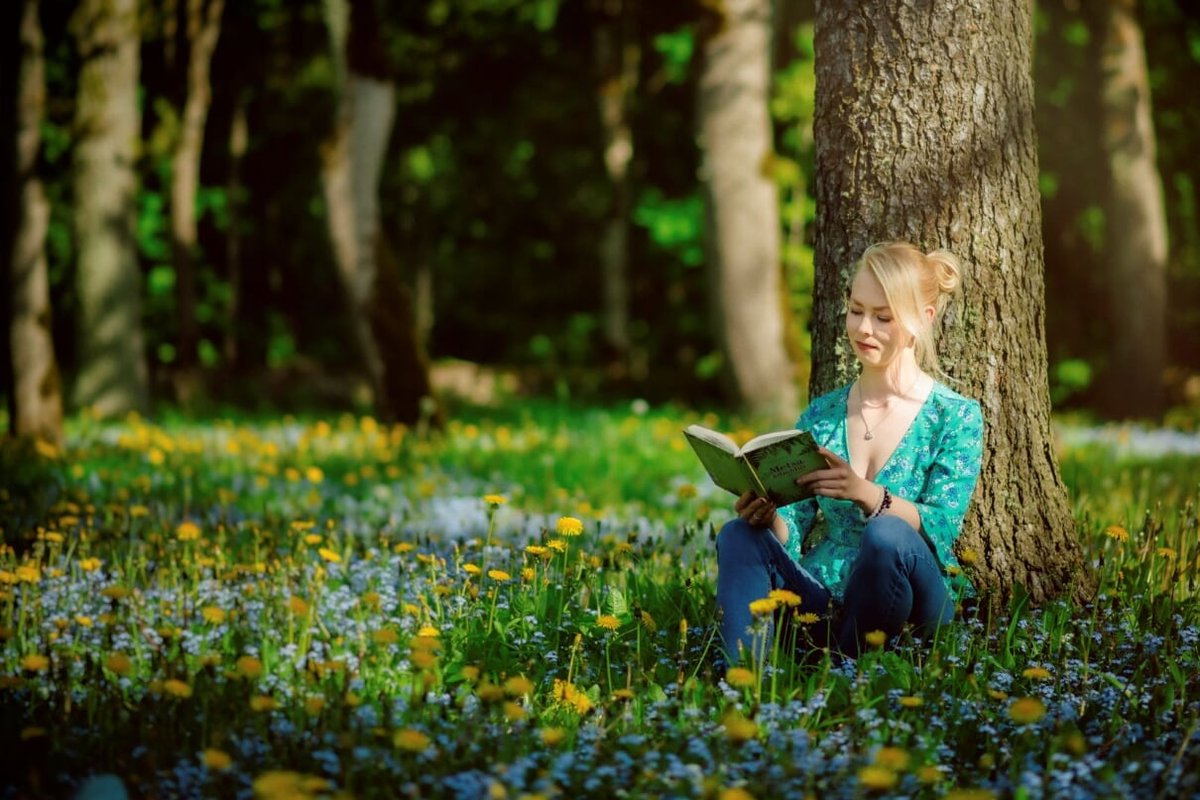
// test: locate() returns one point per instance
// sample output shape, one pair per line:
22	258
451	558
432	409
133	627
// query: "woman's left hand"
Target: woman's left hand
840	481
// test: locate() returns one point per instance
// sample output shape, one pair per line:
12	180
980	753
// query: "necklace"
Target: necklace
869	435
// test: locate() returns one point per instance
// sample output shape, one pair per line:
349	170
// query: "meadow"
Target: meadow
521	606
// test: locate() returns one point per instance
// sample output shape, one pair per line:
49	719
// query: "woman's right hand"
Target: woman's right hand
758	512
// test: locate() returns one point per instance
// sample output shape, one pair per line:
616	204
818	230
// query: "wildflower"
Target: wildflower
403	547
740	677
429	632
552	737
1027	710
929	774
784	598
997	694
313	705
764	606
1167	553
569	695
1117	533
278	783
735	793
499	575
89	564
187	531
470	673
385	636
314	474
410	739
312	539
968	556
1037	673
515	712
329	555
518	686
557	545
216	760
119	663
35	662
177	688
29	573
471	569
263	702
892	758
422	659
608	622
568	526
648	622
83	620
739	729
214	615
911	701
808	618
528	574
537	550
623	694
297	605
876	638
495	499
248	667
877	778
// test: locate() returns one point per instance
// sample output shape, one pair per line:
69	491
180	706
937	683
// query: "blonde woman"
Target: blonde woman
873	549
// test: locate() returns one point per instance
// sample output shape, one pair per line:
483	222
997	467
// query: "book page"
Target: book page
765	439
715	438
727	471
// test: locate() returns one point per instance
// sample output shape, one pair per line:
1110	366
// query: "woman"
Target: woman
873	549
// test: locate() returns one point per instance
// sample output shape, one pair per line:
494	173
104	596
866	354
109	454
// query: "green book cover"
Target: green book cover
768	464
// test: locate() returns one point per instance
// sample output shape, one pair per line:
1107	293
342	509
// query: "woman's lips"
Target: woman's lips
864	346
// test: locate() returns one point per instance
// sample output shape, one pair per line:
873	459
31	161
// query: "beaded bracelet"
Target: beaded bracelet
885	503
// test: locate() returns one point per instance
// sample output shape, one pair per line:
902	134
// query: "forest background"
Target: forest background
540	203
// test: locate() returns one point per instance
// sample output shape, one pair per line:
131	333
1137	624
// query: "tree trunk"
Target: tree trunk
239	138
924	131
1136	247
617	57
735	137
203	29
112	376
380	305
37	393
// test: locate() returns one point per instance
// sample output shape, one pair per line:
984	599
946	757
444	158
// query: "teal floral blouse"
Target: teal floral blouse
935	467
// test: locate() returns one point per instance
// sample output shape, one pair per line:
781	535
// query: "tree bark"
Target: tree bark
203	30
37	394
112	376
617	57
924	131
743	239
1136	247
239	139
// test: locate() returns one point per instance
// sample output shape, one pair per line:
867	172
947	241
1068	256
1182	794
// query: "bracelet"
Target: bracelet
885	503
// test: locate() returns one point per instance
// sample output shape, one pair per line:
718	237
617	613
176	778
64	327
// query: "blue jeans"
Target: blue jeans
894	579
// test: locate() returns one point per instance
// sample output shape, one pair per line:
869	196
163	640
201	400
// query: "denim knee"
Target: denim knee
886	537
737	535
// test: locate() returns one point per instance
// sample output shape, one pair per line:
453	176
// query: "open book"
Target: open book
768	464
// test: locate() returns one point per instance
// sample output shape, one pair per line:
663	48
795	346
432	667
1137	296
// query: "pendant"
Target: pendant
868	436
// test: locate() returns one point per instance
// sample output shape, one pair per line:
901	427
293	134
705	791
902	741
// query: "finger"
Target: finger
744	501
832	458
818	475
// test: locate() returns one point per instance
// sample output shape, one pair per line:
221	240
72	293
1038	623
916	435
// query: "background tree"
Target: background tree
734	127
112	375
924	131
1136	241
36	400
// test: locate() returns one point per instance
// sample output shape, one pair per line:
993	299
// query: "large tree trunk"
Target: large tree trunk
203	29
735	136
380	305
112	376
924	131
37	394
1136	246
617	57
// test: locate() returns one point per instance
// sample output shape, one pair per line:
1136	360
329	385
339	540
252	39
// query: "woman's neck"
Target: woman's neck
897	379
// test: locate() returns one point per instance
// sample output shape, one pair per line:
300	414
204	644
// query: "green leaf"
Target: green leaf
618	605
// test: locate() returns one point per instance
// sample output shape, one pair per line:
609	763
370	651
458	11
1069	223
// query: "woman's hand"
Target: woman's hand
758	512
842	482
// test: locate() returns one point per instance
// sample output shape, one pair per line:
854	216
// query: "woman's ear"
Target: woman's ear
930	313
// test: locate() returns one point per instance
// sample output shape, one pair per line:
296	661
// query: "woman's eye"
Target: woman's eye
855	311
884	319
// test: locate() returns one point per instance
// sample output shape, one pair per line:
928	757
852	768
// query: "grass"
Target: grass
522	606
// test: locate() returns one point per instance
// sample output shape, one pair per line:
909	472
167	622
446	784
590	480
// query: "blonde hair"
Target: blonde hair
913	281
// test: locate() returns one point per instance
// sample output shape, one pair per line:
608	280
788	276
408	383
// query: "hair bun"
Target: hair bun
947	270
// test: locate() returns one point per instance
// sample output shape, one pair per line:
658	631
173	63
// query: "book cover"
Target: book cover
768	464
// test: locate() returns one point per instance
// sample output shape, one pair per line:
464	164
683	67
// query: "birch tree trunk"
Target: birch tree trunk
1136	251
37	393
743	248
203	29
112	376
924	131
617	58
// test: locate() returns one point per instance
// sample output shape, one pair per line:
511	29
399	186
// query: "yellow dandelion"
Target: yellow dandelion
35	662
423	659
929	774
495	499
623	694
739	729
912	701
314	474
568	526
558	545
514	711
528	574
763	607
1027	710
119	663
28	573
177	688
893	758
314	705
499	575
217	760
428	632
489	692
553	736
89	564
214	615
385	636
472	569
1167	553
187	531
808	618
784	598
278	783
411	739
740	677
297	605
248	667
263	702
997	694
403	547
876	638
115	592
876	778
312	539
570	696
1037	673
470	673
329	555
1117	533
608	622
968	556
518	686
537	550
648	622
83	620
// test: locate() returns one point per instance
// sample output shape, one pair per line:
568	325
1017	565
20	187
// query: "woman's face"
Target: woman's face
875	334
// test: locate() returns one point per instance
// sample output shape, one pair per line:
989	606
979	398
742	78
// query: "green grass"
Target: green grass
309	607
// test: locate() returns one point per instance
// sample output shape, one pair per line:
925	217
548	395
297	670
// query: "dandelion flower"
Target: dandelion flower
552	737
216	760
764	606
808	618
528	574
470	673
429	631
385	636
518	686
968	556
89	564
471	569
893	758
876	638
1027	710
329	555
214	615
1117	533
263	702
499	575
314	474
177	688
278	783
312	538
1037	673
784	598
740	677
28	573
735	793
929	774
35	662
648	622
570	696
411	739
119	663
248	667
739	729
297	605
568	526
911	701
515	712
187	531
313	705
623	694
1167	553
877	778
537	550
608	622
495	499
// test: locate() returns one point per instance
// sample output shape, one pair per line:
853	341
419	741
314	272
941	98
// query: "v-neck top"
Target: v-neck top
935	467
